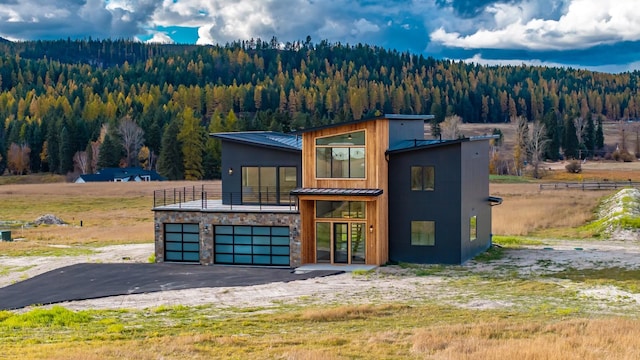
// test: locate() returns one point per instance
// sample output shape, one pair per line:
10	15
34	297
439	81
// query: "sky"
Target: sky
599	35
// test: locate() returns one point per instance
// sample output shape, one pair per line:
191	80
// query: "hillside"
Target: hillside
57	95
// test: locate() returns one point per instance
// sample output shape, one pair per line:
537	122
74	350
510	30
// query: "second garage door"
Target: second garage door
252	245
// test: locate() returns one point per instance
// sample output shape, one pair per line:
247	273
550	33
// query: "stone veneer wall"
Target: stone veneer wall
212	219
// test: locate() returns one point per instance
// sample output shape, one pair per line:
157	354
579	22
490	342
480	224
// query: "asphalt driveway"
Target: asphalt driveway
90	281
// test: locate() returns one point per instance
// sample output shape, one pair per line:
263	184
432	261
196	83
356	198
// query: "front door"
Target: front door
340	242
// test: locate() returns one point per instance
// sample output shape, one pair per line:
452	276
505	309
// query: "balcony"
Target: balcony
210	198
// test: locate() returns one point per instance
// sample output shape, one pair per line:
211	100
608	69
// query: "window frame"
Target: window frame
275	197
429	234
326	152
473	228
423	178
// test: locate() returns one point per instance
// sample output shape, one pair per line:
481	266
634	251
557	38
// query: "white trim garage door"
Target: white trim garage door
251	245
182	242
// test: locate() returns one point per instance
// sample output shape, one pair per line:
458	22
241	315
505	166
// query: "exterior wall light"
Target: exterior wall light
157	226
206	229
230	171
371	228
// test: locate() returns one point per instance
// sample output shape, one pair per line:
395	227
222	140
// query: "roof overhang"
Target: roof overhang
335	192
495	200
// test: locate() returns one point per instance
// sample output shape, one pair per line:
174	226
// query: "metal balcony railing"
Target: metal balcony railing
204	195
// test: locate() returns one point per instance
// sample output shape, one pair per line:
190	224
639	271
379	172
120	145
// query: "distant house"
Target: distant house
120	175
370	191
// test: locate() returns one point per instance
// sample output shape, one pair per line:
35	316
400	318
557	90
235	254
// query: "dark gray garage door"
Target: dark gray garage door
182	242
252	245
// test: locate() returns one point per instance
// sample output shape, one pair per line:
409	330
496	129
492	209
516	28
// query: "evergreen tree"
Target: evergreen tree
191	136
554	136
570	144
65	152
53	148
599	137
590	136
170	163
110	152
211	160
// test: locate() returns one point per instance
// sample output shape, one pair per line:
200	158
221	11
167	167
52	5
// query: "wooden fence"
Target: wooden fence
590	185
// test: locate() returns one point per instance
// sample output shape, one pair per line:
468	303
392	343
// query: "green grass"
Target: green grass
493	253
626	279
515	241
6	270
49	251
508	179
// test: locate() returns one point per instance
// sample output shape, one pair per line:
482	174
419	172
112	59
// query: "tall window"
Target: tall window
267	184
473	228
341	156
423	233
423	178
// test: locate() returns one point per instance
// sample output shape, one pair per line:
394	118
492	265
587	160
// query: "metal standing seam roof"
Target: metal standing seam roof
264	138
336	191
393	117
406	145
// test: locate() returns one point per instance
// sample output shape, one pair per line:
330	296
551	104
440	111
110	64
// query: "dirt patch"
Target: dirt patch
385	284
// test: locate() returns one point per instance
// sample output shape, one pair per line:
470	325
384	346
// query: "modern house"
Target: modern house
370	191
120	175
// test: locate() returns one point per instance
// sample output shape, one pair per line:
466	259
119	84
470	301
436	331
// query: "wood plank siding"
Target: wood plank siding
376	177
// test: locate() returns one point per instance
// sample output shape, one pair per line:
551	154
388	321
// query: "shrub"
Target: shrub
622	155
574	167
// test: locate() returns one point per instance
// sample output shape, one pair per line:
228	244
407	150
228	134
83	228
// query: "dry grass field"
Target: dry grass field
499	307
110	213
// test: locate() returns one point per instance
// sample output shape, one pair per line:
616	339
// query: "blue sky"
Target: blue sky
600	35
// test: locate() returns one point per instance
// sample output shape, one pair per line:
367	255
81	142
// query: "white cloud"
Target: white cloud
609	68
585	23
160	38
362	26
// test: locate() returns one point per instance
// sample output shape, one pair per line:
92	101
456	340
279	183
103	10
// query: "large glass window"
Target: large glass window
340	209
267	184
341	156
423	178
423	233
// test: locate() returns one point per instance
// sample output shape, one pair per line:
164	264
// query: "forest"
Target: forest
75	106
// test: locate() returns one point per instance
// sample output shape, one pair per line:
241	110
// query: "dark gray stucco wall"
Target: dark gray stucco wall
441	205
475	193
400	130
236	155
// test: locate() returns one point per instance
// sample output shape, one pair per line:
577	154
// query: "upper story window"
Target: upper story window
423	178
341	156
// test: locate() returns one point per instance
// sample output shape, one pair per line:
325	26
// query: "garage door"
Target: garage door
252	245
182	242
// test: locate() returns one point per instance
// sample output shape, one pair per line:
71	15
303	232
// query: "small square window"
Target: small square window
423	233
422	178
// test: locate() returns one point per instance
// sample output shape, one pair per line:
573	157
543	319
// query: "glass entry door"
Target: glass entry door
340	242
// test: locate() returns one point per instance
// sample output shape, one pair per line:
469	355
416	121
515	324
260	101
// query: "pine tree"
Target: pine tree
520	147
599	137
170	163
554	134
191	136
590	136
570	144
65	151
110	153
